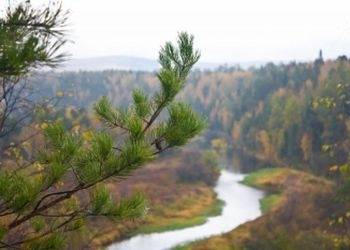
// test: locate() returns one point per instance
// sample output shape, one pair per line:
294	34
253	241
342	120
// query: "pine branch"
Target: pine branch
52	230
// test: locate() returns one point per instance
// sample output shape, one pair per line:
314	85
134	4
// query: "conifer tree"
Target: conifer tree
43	200
29	39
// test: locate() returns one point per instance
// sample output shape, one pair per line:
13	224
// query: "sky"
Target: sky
224	30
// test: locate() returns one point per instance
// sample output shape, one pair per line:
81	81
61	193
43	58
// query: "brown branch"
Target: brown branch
63	196
154	116
60	215
43	234
162	150
118	149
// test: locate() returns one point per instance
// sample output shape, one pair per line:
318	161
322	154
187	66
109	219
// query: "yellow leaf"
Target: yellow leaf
44	125
345	169
38	166
88	135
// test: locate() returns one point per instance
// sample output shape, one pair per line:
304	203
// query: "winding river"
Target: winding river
241	205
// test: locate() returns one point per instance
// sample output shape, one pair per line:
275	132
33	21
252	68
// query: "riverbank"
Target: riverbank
241	205
197	213
174	202
183	213
258	179
300	213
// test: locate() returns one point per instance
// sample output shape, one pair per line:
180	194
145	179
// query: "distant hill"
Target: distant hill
132	63
111	62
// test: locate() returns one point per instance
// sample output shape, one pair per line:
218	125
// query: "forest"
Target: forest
294	114
104	159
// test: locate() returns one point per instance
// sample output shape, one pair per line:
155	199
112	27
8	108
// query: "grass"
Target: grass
269	202
293	196
259	179
191	209
262	179
184	247
255	179
169	224
173	204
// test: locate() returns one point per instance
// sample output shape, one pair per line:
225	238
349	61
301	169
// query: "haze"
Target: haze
225	30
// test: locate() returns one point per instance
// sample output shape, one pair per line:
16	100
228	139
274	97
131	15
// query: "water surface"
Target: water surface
241	205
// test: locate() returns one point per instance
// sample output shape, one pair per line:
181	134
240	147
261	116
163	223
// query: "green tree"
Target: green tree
42	200
339	105
29	39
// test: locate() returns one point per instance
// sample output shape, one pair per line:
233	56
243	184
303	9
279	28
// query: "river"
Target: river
241	205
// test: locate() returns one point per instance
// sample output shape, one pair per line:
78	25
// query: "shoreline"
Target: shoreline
287	220
240	200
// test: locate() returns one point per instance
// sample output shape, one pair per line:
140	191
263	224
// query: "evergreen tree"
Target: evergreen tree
42	200
29	38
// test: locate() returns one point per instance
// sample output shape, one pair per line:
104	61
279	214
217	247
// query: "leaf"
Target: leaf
131	208
183	124
44	125
345	169
100	200
55	172
102	145
88	135
55	241
141	103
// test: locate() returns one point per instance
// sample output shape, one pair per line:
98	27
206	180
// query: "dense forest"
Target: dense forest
294	114
142	159
56	161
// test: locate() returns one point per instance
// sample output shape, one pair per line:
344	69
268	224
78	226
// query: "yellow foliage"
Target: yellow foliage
44	125
88	135
220	145
267	147
38	166
345	169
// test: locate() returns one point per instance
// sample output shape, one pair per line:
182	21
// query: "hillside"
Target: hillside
228	136
289	115
277	114
305	216
111	62
176	202
131	63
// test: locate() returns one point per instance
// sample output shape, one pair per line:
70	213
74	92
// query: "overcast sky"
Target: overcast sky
225	30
